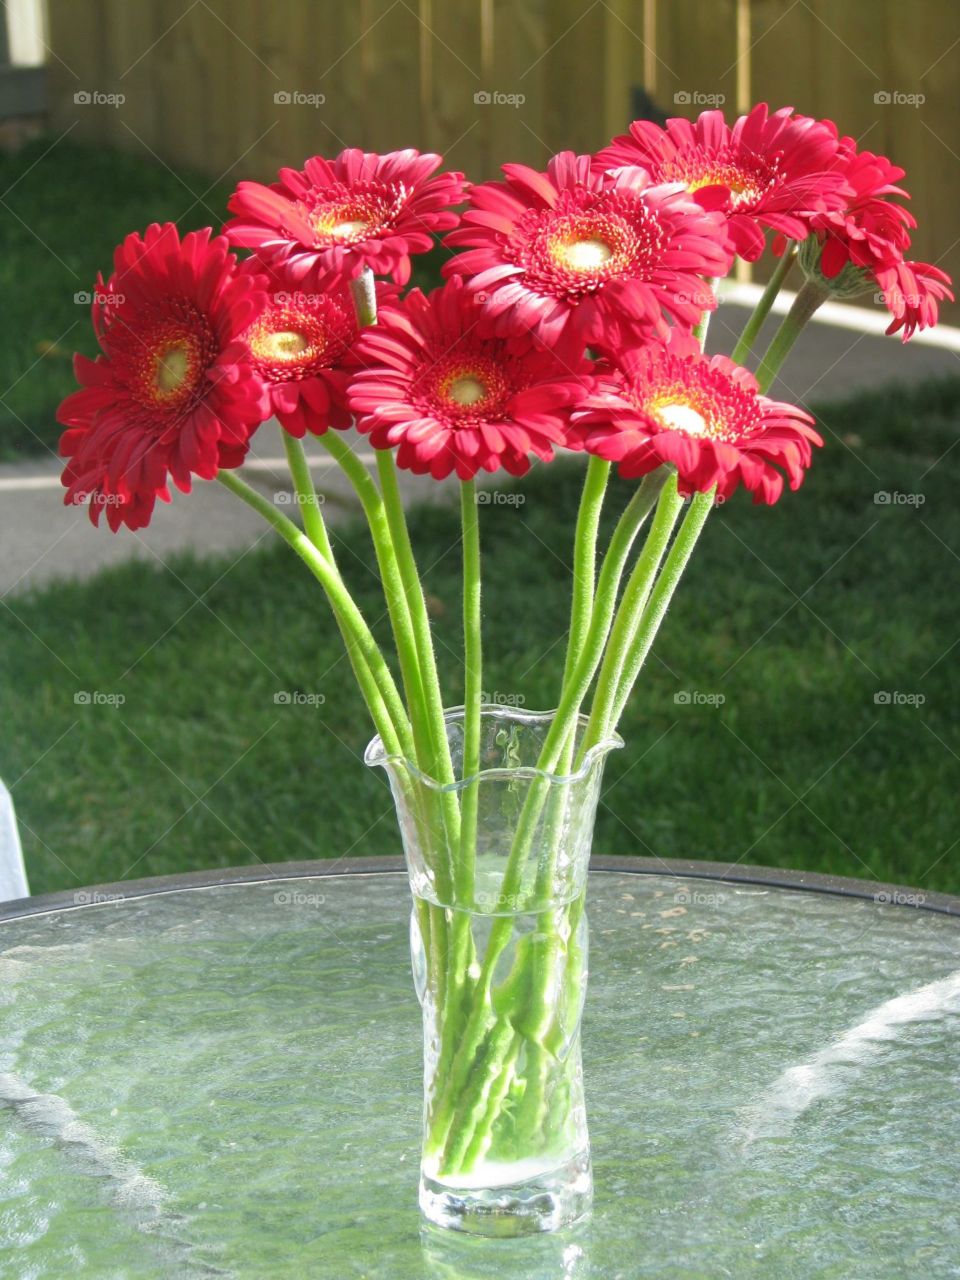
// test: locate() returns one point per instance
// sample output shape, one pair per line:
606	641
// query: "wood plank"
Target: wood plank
186	41
516	130
291	95
460	70
574	63
697	57
342	77
75	64
392	47
128	36
924	61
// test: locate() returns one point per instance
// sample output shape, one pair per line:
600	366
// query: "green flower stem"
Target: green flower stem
472	687
462	952
440	767
313	521
499	1052
810	296
539	1011
433	925
454	941
585	559
762	309
401	623
648	624
373	674
482	1132
660	488
581	611
457	1108
628	617
314	524
575	689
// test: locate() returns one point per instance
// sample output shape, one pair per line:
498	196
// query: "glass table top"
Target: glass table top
225	1081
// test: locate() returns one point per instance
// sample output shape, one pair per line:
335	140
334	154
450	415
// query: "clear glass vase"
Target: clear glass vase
498	867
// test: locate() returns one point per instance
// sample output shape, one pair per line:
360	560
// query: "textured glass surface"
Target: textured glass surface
227	1082
562	807
499	948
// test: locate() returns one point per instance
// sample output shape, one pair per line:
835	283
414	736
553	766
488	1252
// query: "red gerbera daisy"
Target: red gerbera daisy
668	403
869	230
334	217
861	247
603	255
765	171
298	344
453	396
174	393
912	292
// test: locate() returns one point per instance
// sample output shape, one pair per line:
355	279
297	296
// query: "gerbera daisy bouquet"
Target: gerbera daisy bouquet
571	321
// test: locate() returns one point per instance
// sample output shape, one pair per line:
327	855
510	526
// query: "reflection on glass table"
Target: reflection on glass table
225	1080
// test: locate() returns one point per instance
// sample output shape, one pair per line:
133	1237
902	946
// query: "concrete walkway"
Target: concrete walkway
41	540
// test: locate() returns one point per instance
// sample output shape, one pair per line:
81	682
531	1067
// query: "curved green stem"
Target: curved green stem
396	597
648	624
313	521
810	296
373	674
581	613
441	767
762	309
636	593
363	483
585	559
316	529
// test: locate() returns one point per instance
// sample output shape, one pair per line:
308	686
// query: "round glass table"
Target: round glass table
219	1075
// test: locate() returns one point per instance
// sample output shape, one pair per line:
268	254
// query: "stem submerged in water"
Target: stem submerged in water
472	687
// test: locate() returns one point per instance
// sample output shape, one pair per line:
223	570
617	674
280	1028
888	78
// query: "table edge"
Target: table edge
99	895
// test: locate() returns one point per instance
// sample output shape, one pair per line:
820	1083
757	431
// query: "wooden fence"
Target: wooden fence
241	87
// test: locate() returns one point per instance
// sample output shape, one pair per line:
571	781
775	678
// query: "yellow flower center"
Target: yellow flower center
677	416
585	255
282	344
344	230
172	366
467	391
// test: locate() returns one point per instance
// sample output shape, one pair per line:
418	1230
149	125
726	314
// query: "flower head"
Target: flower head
869	230
174	393
766	170
298	346
334	217
451	396
668	403
602	256
862	247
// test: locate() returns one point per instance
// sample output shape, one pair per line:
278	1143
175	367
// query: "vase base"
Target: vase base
543	1201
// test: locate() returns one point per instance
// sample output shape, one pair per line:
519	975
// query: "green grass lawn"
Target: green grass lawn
64	207
798	616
